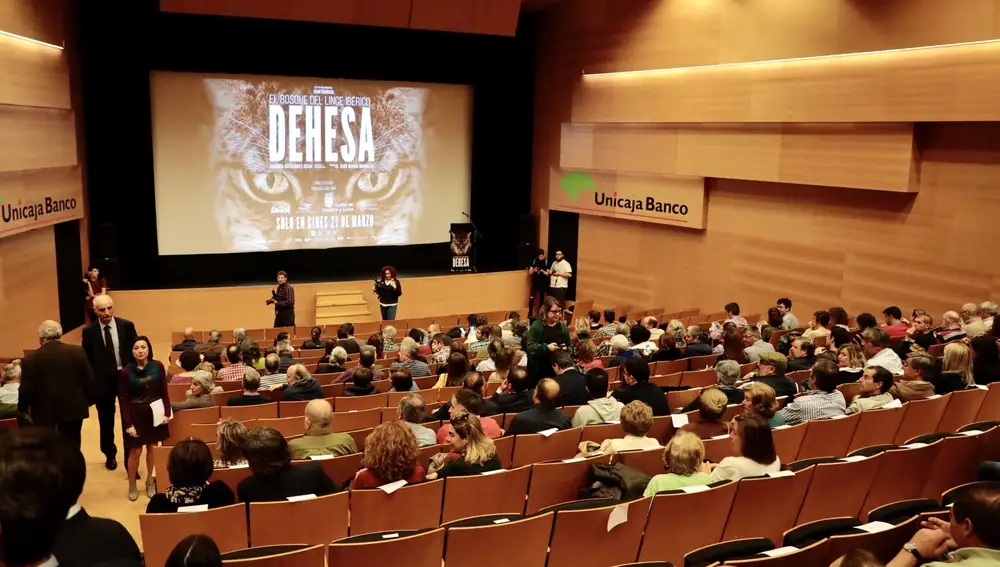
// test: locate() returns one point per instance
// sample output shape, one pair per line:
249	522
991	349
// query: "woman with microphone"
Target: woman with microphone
388	289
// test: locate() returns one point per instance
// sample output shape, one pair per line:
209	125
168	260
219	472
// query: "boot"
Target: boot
133	492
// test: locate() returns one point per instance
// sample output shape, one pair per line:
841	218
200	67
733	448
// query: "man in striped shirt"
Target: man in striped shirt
826	402
610	327
406	352
273	376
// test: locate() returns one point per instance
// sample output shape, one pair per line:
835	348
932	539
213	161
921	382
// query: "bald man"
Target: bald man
544	415
319	439
300	385
57	384
188	343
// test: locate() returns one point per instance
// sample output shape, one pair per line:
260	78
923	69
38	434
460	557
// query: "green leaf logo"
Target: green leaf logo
576	181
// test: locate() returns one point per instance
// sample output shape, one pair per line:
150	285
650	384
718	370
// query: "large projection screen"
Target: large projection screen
246	163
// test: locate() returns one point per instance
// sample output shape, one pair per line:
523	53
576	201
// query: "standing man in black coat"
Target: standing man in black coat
108	342
57	384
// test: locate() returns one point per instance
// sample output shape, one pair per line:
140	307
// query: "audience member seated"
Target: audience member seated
818	327
274	478
753	345
894	325
636	421
851	362
440	348
698	343
10	388
389	334
640	346
188	361
760	399
732	316
519	331
986	355
402	381
840	337
375	341
468	401
315	340
195	551
682	457
667	349
544	415
213	346
610	327
515	393
616	344
188	343
951	328
455	371
334	363
801	355
475	382
920	336
711	407
232	435
319	439
272	377
407	350
209	366
788	320
956	369
875	386
236	369
594	319
472	452
772	324
200	394
572	383
603	407
916	383
411	412
285	351
190	466
771	371
753	448
251	395
503	360
300	385
391	453
345	338
826	401
875	342
731	347
637	386
251	355
362	385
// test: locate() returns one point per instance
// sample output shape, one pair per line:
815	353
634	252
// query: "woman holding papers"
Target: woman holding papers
145	407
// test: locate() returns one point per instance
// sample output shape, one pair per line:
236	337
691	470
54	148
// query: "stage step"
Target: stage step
341	307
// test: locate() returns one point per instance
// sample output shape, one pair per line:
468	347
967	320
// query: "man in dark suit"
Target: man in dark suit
636	374
544	415
517	395
572	383
108	342
188	343
698	343
57	384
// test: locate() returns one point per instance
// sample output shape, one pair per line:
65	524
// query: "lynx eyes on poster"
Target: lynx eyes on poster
252	163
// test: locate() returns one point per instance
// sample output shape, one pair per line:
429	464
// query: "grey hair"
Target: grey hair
300	372
203	378
876	335
340	354
50	330
408	346
283	346
411	408
728	372
215	336
389	332
365	349
12	371
989	306
751	330
239	333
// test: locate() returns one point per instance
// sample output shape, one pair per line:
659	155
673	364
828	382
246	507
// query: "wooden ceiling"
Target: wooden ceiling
492	17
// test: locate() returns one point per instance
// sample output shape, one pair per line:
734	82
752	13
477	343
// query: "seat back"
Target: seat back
901	475
828	437
536	448
296	409
287	426
837	490
787	440
314	556
243	413
558	482
276	523
681	398
207	432
717	449
161	455
664	380
357	403
231	476
222	398
604	546
665	367
921	416
505	450
180	423
961	410
814	554
417	550
528	539
876	427
227	526
598	433
393	398
884	545
957	463
699	378
481	495
693	520
756	494
178	392
354	420
700	362
649	461
990	410
412	507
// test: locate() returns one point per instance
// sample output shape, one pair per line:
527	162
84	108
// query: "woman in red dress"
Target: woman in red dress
93	285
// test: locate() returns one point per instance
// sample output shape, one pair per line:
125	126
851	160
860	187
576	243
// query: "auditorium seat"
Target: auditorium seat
354	420
681	398
699	378
424	457
161	454
480	495
342	469
876	427
884	545
425	383
412	507
429	395
357	403
231	476
901	475
557	482
921	416
936	350
754	495
828	437
207	432
717	449
277	556
581	538
649	461
787	440
222	398
243	413
837	489
799	376
570	411
505	450
957	463
297	409
598	433
666	380
849	390
359	436
180	423
961	410
693	520
524	543
713	555
696	363
418	323
178	392
315	521
227	526
815	554
382	386
535	448
287	426
664	367
423	549
990	410
330	390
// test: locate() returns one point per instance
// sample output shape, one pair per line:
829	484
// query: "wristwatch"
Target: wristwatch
908	546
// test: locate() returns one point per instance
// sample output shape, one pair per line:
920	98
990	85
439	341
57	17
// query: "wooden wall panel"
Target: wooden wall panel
383	13
37	19
493	17
28	288
34	138
881	155
33	75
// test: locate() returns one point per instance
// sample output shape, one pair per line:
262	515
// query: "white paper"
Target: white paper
498	471
853	459
390	536
575	460
301	497
159	413
875	527
693	489
612	421
240	466
723	436
971	433
194	508
548	432
501	521
320	457
839	416
393	486
679	419
893	404
934	397
915	445
619	515
981	387
777	474
780	551
783	427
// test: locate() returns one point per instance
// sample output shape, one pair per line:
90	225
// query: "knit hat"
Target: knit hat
775	359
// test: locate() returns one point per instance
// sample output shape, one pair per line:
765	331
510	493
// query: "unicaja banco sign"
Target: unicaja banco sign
23	212
659	199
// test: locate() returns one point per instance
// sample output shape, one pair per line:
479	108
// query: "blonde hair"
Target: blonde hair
206	367
480	448
763	400
958	358
712	403
636	418
582	325
679	332
855	356
684	453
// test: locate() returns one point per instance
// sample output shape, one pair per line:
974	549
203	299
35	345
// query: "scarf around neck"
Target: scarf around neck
184	495
151	370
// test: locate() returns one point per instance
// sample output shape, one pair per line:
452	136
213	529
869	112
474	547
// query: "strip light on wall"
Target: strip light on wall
22	38
810	58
